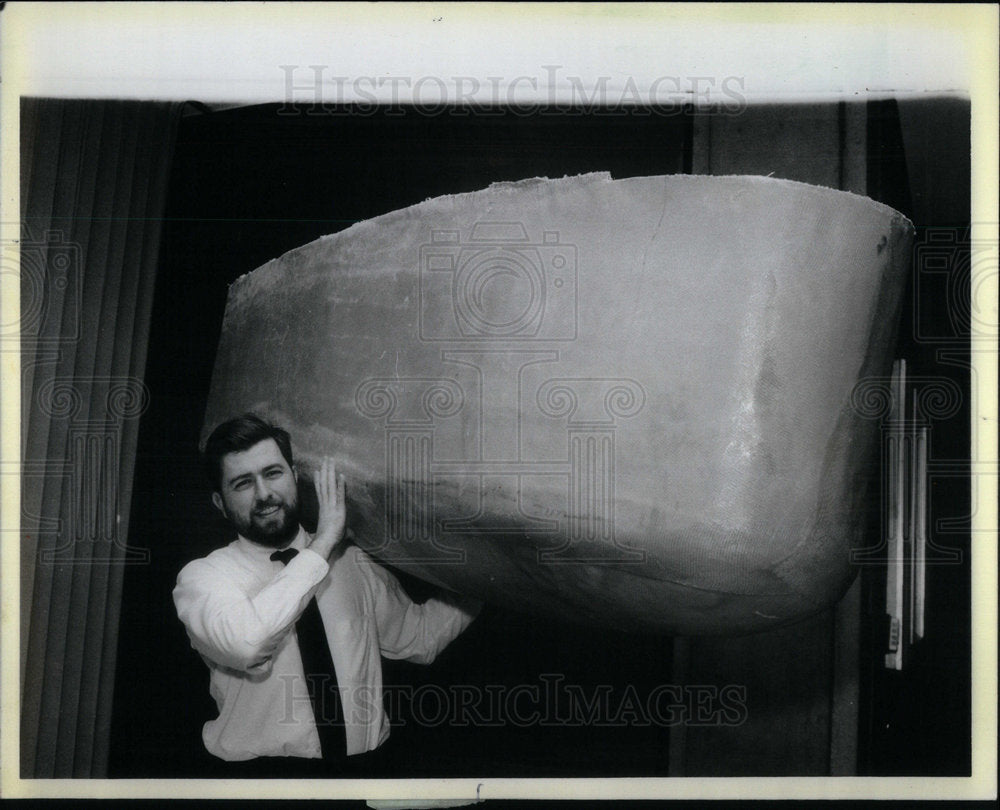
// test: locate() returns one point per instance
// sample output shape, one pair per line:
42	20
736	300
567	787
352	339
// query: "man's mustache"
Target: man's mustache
260	506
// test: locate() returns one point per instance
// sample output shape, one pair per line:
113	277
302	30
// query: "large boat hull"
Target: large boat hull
629	402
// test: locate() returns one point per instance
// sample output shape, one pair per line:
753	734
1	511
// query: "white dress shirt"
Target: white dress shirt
239	607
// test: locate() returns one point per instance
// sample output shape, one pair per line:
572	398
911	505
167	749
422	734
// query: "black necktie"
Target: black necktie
321	677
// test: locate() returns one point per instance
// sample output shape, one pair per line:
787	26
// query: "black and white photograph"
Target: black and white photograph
454	402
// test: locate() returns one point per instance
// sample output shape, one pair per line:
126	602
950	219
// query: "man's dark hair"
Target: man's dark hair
237	435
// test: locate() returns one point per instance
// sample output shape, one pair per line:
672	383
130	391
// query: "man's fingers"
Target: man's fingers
331	478
322	488
329	485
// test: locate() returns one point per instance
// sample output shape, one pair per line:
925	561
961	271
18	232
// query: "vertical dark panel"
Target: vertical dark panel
41	304
785	676
845	639
92	433
918	720
70	553
887	178
41	313
32	289
844	696
153	164
117	392
678	738
52	404
94	195
794	142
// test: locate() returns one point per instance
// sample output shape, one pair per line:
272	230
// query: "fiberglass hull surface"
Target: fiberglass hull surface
627	402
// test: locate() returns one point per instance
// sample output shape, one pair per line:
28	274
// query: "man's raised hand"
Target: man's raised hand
332	509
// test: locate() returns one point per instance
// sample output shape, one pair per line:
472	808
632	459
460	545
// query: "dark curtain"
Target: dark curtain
93	185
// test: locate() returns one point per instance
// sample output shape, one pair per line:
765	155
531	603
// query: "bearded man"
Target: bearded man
292	626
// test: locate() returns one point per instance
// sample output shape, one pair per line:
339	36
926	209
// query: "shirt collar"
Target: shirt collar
263	553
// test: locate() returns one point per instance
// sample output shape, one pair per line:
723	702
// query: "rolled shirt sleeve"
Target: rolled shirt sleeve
411	631
239	631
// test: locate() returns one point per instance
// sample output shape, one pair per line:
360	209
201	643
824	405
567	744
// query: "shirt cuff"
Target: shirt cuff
309	565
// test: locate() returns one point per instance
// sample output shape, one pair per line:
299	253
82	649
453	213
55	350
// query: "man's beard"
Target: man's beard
275	530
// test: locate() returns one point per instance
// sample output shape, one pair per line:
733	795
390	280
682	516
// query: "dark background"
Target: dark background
249	184
918	720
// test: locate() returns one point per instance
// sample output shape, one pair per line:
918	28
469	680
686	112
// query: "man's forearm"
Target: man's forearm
240	631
